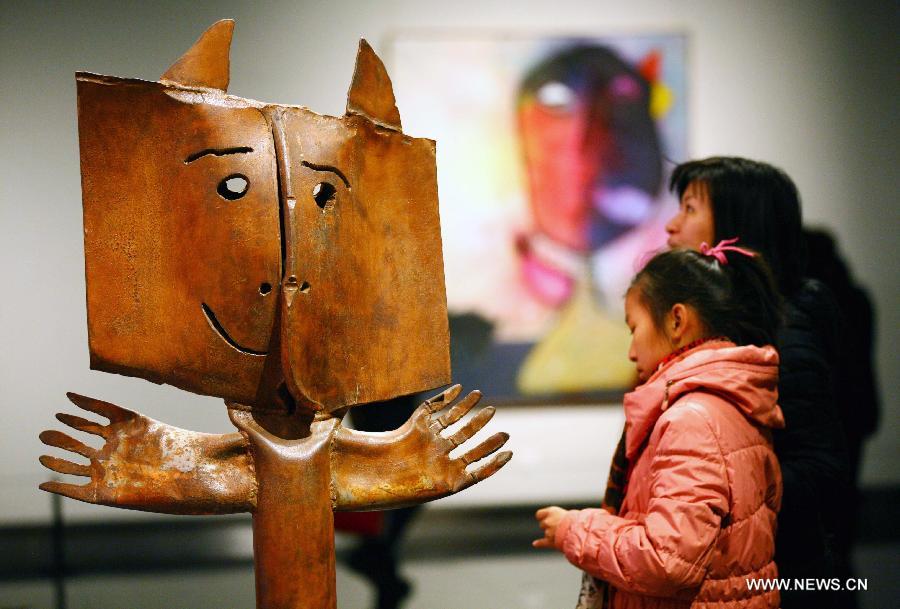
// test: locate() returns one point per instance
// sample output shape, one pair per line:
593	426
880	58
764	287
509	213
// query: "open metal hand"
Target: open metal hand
412	464
147	465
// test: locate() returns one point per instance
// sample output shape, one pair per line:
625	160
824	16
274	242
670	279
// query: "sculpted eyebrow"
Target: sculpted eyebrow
216	152
333	170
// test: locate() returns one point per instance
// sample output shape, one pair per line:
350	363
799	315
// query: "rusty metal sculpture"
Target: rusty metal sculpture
289	263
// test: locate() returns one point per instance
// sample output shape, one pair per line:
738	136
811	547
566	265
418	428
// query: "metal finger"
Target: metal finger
76	422
485	471
60	440
488	447
116	414
473	426
73	491
460	410
65	467
439	401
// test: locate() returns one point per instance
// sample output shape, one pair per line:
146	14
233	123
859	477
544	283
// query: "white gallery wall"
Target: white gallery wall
810	86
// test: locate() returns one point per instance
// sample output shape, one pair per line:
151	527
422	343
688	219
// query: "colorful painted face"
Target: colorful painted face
591	152
693	224
649	345
248	250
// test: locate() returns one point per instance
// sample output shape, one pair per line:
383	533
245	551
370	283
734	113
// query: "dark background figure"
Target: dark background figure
856	393
376	557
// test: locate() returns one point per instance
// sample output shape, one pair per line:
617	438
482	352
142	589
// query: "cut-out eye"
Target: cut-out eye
233	187
324	194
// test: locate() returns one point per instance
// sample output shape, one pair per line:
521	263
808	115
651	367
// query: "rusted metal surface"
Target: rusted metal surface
289	263
147	465
207	63
371	94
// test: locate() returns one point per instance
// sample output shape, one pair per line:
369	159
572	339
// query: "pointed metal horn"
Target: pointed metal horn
371	94
206	64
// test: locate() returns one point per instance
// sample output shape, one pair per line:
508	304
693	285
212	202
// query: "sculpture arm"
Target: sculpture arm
147	465
412	464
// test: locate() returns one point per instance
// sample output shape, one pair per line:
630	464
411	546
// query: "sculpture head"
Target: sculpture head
240	249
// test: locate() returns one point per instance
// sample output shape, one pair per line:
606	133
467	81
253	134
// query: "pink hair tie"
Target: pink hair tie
725	245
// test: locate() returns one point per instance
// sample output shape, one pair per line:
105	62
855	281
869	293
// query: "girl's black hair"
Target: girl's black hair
756	202
738	299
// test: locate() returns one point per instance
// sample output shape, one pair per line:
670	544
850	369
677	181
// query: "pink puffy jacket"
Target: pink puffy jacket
698	517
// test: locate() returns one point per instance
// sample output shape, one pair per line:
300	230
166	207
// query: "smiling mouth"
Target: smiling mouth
217	327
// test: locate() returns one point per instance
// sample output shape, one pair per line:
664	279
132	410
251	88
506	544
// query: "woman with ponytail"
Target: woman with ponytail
689	516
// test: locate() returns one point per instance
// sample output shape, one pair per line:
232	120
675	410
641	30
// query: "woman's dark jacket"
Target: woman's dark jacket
811	447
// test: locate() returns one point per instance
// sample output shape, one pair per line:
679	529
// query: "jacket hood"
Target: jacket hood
745	376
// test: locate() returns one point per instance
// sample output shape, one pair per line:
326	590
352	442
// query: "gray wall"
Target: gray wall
808	85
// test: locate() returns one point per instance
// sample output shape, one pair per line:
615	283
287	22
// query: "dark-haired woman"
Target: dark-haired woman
691	521
724	196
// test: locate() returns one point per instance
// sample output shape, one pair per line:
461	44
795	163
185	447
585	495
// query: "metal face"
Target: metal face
245	250
367	319
175	262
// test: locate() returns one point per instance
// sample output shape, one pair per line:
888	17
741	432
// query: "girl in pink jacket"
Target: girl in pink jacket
689	515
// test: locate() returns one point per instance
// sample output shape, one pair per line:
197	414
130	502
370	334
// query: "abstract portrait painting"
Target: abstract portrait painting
554	158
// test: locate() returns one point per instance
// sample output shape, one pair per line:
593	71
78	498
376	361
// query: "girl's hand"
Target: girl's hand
549	519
